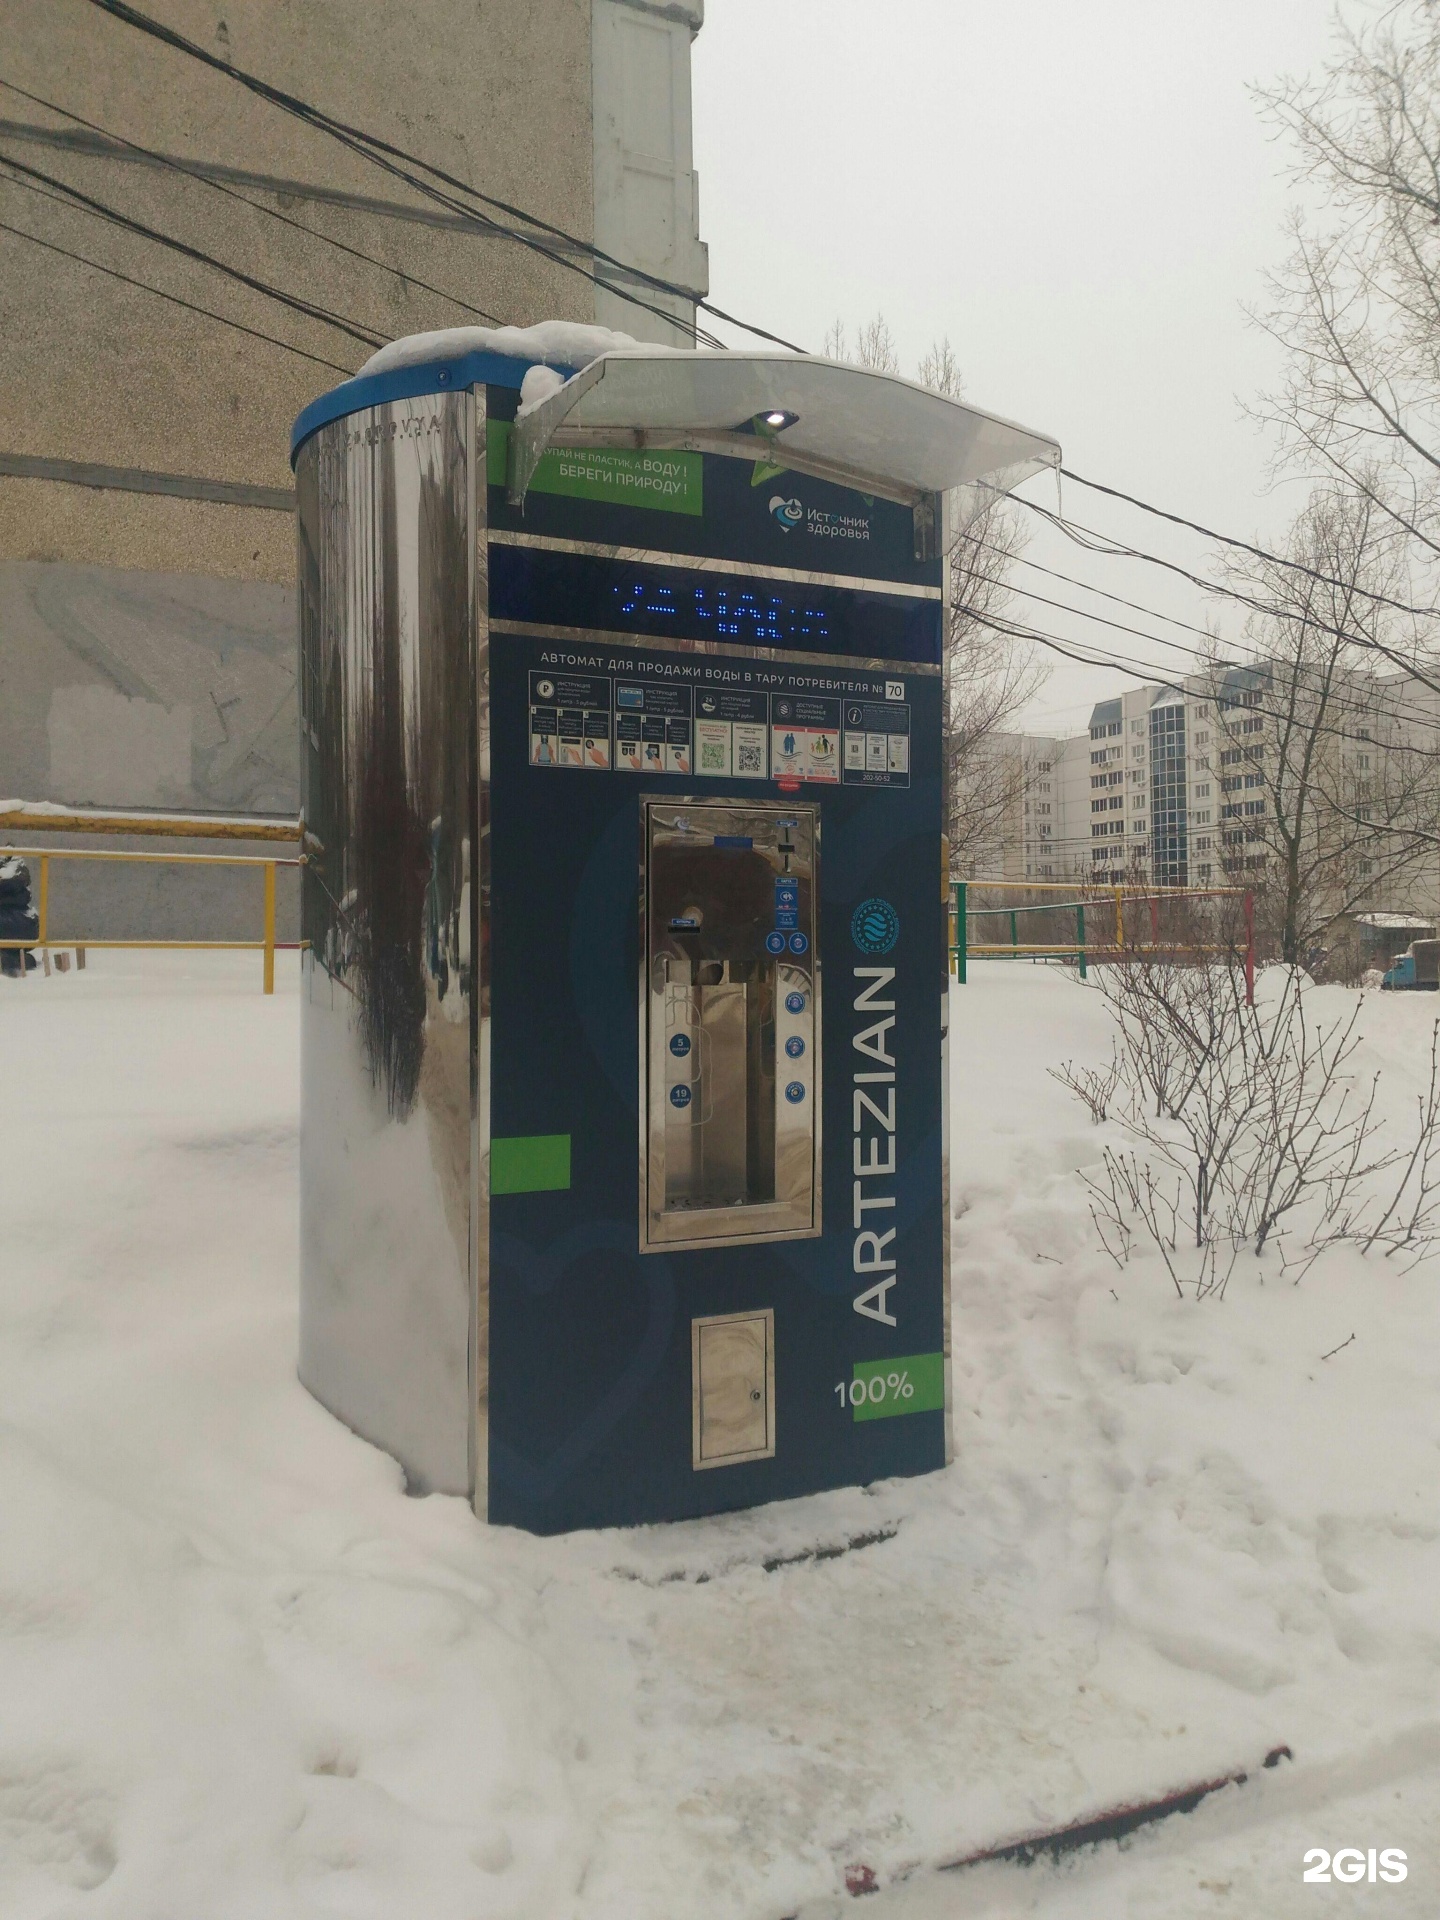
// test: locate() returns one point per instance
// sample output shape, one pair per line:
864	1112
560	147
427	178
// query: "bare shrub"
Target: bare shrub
1093	1085
1249	1127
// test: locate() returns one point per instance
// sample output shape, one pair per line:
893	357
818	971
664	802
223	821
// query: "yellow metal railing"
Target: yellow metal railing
40	816
45	939
960	913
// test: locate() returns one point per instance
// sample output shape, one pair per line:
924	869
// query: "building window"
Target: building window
1202	791
1167	794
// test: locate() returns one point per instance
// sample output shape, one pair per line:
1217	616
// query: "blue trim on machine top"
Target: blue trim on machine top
407	383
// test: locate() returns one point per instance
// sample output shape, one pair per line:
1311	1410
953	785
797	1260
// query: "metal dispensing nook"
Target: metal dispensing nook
623	1137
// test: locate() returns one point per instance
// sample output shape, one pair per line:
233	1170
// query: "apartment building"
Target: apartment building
1172	784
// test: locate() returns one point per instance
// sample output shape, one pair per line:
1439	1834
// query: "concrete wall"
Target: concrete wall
147	631
647	195
497	93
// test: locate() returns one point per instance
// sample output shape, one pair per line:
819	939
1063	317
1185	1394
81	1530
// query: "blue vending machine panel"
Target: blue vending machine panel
716	968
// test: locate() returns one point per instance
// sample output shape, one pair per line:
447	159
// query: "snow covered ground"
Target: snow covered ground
241	1674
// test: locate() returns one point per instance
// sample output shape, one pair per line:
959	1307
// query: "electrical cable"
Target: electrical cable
28	174
1380	702
1244	546
175	299
1144	673
384	154
1118	600
233	193
1093	541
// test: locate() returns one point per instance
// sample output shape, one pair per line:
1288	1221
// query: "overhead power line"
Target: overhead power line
1392	708
385	154
191	306
1095	542
1143	672
1245	546
1381	703
233	193
26	175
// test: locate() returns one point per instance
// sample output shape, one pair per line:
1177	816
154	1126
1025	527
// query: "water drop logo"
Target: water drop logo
875	926
789	513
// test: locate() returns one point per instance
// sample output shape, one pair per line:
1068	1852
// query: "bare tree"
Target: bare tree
1324	774
874	345
1357	303
990	677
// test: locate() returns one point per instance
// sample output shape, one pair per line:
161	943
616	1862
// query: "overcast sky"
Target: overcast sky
1080	193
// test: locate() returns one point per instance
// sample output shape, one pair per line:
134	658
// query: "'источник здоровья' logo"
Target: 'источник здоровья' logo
789	513
875	926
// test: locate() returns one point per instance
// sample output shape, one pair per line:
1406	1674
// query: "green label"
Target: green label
671	482
882	1388
530	1163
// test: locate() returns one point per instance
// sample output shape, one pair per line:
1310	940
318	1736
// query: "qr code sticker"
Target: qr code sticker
749	759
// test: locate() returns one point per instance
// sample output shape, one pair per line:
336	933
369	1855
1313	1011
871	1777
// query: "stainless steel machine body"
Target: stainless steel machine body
392	1215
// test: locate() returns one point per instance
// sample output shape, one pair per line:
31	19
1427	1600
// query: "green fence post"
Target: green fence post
1080	933
962	933
1014	935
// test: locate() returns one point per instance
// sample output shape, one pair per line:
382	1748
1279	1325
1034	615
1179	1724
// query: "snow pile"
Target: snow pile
243	1674
537	386
563	343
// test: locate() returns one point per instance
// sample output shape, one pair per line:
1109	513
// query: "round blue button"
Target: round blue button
794	1046
680	1045
799	943
775	942
795	1003
679	1096
795	1092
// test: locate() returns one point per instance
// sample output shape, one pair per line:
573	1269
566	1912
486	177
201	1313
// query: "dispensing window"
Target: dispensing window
729	1018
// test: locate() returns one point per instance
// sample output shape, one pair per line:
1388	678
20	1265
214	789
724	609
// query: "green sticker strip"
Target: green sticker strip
669	482
915	1385
530	1163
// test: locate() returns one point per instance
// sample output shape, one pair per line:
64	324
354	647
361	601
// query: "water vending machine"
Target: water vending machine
623	1132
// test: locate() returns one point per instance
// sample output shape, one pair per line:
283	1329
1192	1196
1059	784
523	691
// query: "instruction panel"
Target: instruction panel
720	720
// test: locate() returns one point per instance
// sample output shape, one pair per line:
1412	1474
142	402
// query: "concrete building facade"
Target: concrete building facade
147	628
